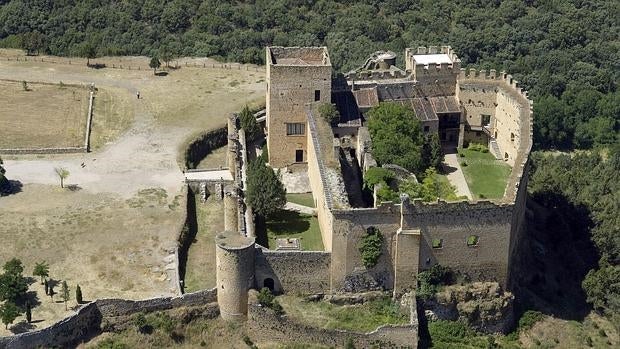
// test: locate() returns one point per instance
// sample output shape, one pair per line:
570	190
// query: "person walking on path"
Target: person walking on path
138	94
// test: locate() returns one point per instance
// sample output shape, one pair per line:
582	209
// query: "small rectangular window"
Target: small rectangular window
317	95
437	243
486	119
294	129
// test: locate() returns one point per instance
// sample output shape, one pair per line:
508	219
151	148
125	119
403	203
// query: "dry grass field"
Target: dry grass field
44	116
113	236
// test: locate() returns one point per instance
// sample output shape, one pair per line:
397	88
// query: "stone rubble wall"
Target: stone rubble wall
89	319
266	326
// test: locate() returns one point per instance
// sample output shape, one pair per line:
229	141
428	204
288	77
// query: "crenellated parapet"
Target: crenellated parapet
376	75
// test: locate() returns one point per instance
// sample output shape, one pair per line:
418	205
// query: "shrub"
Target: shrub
385	193
464	163
329	113
249	124
370	247
267	299
377	175
110	343
448	331
478	147
430	280
528	319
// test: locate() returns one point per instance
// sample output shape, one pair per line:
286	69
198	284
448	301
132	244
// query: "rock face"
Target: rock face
484	306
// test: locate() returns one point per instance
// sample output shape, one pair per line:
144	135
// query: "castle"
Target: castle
475	238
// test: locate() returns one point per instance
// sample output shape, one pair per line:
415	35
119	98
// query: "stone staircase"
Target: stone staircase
494	148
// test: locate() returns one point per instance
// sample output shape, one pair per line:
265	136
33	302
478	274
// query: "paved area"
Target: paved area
300	208
209	175
455	175
296	182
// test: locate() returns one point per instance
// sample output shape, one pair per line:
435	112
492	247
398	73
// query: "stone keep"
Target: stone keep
296	78
234	259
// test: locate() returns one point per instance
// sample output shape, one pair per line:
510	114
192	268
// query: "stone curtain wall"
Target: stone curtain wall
304	272
203	145
264	325
90	318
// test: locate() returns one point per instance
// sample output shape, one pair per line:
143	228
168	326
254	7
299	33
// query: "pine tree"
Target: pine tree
28	312
64	293
249	124
78	294
266	193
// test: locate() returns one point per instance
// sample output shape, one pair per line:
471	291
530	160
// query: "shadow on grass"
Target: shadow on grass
161	73
288	222
10	187
22	327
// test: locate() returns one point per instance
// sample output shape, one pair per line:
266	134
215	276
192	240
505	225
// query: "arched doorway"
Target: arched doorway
269	283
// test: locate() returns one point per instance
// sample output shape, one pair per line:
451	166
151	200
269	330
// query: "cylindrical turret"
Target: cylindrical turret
234	259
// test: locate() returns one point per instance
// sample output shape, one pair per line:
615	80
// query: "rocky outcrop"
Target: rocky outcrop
484	306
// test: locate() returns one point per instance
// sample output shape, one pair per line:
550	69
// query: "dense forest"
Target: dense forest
565	52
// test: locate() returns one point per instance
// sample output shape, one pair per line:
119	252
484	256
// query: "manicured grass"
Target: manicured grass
485	175
290	224
301	199
361	317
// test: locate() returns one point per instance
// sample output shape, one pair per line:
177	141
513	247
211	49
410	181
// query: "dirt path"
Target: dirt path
145	156
455	175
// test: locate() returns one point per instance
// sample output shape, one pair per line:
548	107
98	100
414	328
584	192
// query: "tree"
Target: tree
78	294
42	270
64	293
266	193
32	42
9	312
28	312
13	285
14	266
249	123
47	287
396	136
432	155
25	85
154	64
88	50
329	113
5	185
62	174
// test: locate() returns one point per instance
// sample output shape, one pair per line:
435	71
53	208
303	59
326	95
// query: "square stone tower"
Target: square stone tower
296	78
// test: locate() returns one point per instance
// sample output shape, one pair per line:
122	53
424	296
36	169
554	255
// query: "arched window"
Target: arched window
512	137
505	156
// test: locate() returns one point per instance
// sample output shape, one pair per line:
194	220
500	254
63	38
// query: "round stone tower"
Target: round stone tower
234	259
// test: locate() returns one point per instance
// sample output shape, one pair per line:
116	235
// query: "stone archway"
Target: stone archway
269	283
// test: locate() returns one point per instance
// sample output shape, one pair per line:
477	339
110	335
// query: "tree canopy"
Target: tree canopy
559	49
396	136
265	193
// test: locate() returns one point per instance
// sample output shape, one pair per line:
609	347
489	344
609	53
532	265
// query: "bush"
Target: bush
385	193
110	343
371	247
329	113
528	319
377	175
478	147
430	280
268	300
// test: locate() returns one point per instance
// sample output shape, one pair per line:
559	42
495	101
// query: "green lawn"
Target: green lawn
485	175
361	317
446	190
301	199
290	224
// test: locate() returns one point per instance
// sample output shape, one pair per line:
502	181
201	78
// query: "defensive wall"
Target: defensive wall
265	325
304	272
100	316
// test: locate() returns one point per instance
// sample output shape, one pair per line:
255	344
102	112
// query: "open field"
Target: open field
290	224
485	175
361	317
200	270
114	234
110	246
44	116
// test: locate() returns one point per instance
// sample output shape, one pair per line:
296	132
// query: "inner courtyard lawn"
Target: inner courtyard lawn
291	224
485	175
304	199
